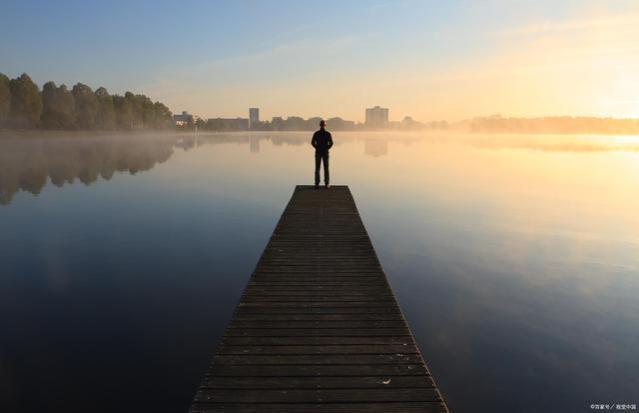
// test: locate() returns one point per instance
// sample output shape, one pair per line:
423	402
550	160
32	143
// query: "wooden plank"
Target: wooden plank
287	341
303	359
319	395
319	370
253	309
389	407
314	324
243	316
318	382
318	328
321	349
312	332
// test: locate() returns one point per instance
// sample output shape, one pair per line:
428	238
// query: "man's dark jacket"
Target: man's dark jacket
322	141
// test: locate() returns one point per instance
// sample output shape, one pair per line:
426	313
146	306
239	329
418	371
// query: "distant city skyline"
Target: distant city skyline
375	118
427	59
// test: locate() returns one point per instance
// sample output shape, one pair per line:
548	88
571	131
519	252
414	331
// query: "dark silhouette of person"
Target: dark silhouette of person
322	141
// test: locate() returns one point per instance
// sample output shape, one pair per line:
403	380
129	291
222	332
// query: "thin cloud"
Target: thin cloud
572	25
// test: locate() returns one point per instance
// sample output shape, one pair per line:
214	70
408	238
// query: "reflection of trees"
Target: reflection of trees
27	164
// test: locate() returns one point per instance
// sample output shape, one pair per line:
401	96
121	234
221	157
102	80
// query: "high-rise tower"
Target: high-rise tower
254	117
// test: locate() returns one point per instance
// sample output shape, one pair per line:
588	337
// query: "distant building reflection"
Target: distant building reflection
187	142
376	147
254	144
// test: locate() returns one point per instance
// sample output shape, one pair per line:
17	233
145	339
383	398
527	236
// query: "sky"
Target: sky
431	60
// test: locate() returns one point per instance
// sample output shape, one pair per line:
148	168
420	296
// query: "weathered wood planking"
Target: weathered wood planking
318	328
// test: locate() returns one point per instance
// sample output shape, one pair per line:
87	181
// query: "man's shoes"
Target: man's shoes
327	186
316	186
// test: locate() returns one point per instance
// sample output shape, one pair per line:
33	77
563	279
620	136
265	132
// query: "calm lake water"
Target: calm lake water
514	258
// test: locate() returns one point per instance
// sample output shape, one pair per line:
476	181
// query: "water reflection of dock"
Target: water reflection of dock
318	327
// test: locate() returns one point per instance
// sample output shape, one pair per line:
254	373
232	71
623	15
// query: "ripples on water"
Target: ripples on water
515	259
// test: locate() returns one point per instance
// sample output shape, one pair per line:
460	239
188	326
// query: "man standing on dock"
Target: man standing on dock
322	141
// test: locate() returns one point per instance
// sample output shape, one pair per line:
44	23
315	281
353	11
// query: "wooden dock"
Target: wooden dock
318	328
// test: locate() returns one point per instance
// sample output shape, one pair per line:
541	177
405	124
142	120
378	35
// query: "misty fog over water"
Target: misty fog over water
515	259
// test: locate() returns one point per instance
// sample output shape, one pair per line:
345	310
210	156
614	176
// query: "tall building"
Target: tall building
377	117
254	116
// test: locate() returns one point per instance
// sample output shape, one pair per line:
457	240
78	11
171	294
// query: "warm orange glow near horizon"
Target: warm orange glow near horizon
425	59
584	65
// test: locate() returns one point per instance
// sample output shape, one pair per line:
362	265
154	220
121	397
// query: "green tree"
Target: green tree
163	116
58	107
105	117
26	103
5	98
147	111
123	112
137	110
22	105
86	106
49	118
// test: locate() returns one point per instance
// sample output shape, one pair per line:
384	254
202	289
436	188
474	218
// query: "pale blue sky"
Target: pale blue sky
428	59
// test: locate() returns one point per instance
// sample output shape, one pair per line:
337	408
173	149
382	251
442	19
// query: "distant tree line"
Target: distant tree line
292	123
24	106
556	124
297	123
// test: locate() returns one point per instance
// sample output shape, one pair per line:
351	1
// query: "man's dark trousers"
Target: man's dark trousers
321	156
